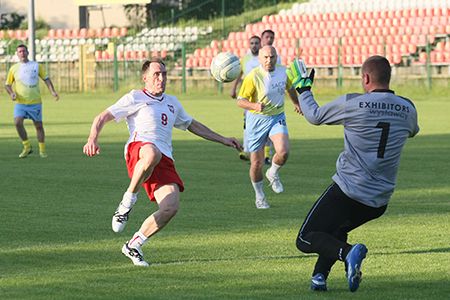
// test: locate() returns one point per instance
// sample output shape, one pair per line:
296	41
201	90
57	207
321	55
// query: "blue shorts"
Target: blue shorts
258	128
32	111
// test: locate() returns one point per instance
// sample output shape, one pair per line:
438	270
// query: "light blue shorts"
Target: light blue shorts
32	111
258	129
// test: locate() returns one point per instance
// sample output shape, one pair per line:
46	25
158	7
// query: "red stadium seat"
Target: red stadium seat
107	32
189	63
59	33
123	31
67	34
98	54
51	33
115	32
105	55
438	58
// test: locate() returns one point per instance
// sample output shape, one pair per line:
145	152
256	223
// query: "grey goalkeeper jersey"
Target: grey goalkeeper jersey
376	126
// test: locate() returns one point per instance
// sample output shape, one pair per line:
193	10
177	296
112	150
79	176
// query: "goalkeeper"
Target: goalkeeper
376	126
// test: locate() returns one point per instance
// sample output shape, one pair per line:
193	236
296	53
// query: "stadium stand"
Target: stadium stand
63	44
326	33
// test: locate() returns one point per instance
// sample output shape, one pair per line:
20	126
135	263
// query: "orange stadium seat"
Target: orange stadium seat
115	32
83	33
59	33
123	31
51	33
120	55
67	33
98	54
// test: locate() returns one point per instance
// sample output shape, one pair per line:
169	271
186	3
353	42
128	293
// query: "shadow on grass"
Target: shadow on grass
58	192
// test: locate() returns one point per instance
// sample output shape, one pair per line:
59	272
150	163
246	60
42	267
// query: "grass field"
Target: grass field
56	241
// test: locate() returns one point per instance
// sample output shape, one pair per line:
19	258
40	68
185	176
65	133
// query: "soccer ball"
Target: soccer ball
225	67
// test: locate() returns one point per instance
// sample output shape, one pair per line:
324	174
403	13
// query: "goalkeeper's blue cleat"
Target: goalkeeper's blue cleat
318	282
353	262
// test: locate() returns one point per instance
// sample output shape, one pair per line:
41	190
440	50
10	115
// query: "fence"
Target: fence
108	62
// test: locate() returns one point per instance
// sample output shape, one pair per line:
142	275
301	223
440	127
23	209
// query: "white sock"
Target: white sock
258	187
273	170
127	203
137	240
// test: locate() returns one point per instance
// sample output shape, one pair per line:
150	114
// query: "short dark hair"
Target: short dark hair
267	31
379	69
153	59
255	37
22	46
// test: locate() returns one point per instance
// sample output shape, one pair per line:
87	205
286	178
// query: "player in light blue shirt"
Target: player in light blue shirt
376	127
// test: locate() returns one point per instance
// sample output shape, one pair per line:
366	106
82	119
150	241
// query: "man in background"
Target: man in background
22	85
248	63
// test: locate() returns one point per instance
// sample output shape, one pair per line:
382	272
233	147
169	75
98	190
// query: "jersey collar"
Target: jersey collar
382	91
160	98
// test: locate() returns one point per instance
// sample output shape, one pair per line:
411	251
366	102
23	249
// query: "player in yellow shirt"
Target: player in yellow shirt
262	95
22	85
248	62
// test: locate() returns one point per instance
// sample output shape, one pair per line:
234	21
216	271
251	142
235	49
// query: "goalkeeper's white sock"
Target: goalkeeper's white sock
137	240
127	203
273	170
258	187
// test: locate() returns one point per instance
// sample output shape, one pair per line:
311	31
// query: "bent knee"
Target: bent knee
283	155
169	211
303	244
257	164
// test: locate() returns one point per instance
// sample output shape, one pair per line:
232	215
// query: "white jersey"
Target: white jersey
249	62
150	118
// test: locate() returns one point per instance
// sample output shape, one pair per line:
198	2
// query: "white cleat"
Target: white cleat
135	255
262	203
274	182
119	221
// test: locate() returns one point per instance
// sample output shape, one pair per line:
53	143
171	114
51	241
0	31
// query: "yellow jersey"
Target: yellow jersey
25	77
267	88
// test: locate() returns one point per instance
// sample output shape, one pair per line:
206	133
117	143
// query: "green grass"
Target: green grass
56	241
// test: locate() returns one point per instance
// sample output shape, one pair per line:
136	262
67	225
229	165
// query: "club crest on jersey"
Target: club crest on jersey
172	110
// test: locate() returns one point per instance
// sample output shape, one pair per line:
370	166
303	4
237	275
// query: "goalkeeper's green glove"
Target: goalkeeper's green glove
299	77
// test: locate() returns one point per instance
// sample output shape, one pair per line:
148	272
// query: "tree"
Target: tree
11	20
136	15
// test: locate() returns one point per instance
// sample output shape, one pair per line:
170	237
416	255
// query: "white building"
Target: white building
65	13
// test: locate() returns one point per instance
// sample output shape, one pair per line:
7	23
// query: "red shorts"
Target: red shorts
163	174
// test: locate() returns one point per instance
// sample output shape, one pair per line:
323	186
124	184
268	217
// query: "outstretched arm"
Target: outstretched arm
201	130
91	148
51	88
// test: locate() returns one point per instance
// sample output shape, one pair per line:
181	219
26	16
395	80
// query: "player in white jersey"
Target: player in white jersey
248	63
262	95
376	127
150	114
